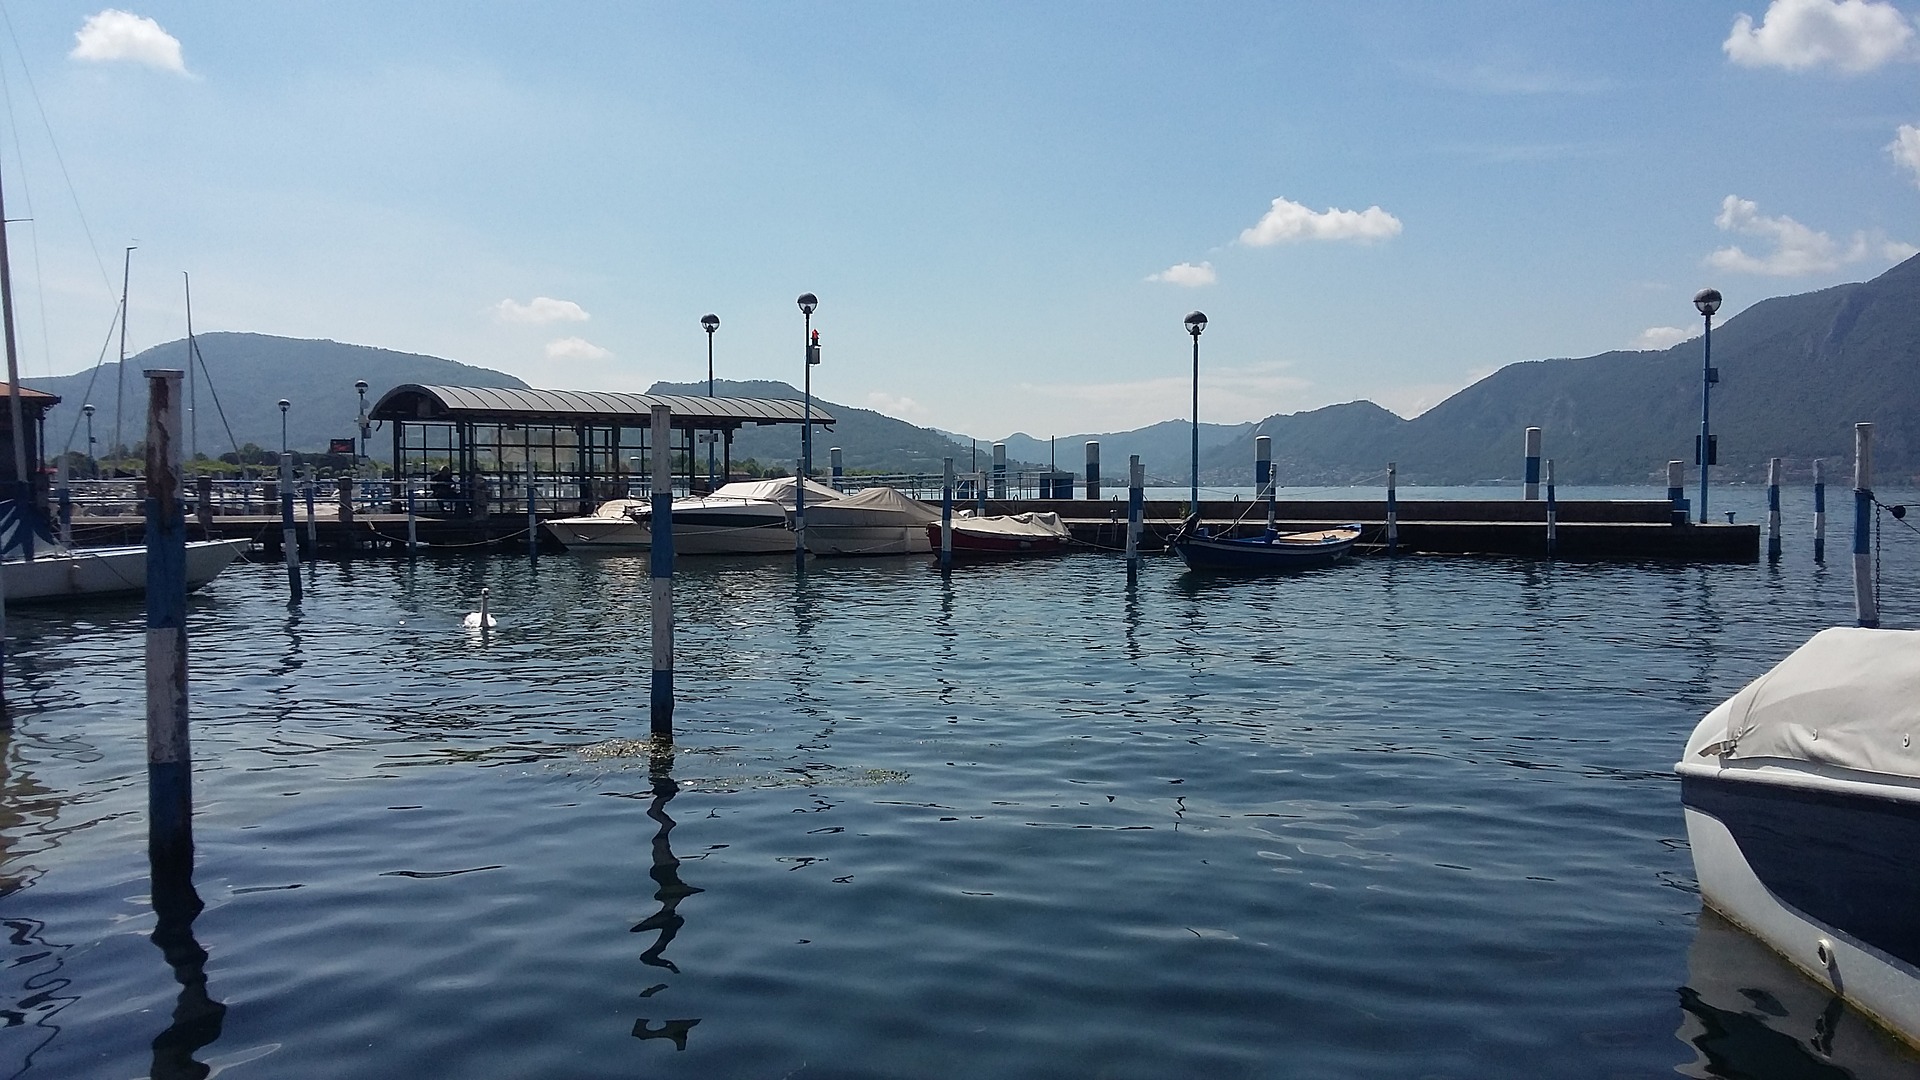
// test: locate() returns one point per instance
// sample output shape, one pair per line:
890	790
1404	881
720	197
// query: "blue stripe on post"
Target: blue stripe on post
661	564
1862	521
169	759
1533	470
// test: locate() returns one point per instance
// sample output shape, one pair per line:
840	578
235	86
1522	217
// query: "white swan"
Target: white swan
480	620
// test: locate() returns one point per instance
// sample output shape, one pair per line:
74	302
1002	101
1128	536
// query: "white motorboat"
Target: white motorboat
877	521
67	573
752	517
1802	803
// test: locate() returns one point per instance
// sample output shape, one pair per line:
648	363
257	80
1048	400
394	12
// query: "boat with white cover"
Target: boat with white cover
877	521
1802	803
1032	533
751	517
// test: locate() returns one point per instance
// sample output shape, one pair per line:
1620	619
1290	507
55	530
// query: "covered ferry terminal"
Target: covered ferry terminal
583	447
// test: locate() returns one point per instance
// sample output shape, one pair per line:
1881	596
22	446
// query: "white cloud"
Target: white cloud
122	35
574	348
1905	149
894	405
541	309
1186	274
1797	250
1852	35
1288	221
1654	338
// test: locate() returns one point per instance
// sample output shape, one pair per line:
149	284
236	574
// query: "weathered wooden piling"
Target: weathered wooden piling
661	565
1531	486
1553	512
1773	510
1093	469
64	502
346	513
1136	505
288	543
999	470
169	758
313	529
946	516
1866	604
203	503
1819	511
1677	490
1393	509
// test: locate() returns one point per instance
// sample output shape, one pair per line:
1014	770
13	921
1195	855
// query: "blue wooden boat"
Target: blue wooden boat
1268	552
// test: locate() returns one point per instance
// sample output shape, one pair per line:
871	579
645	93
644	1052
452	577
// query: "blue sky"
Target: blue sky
1005	209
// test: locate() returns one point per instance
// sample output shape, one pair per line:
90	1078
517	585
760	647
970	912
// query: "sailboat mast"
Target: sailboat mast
120	376
193	400
15	411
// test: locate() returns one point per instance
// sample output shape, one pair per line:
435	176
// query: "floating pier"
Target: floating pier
1587	529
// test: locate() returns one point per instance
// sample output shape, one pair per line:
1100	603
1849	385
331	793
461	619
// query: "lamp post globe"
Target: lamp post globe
710	322
1706	302
1196	321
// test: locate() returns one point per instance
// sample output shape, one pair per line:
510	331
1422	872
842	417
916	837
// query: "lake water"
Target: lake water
1399	818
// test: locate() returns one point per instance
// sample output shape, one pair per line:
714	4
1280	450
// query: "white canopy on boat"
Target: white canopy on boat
1849	698
1030	524
779	490
877	506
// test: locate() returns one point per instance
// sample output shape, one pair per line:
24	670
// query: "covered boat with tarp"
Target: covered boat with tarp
1802	802
1033	533
877	521
751	517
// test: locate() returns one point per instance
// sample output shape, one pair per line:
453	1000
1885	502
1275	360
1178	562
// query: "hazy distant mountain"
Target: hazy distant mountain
1796	373
246	376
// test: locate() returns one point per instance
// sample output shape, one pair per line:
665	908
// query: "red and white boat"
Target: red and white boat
1004	534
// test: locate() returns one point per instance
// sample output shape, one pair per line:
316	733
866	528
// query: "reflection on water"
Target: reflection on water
1750	1015
196	1017
667	921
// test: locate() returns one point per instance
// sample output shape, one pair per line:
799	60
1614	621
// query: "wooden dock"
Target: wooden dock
1600	530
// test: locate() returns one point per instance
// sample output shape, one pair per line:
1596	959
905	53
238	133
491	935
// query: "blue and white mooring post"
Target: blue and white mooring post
834	461
946	516
1677	490
413	532
1773	510
980	493
169	758
289	541
1553	512
1531	489
1093	468
1136	507
1819	511
1393	509
1866	606
799	513
1000	470
662	567
533	514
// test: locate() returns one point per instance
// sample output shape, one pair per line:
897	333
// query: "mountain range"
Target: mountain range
1796	373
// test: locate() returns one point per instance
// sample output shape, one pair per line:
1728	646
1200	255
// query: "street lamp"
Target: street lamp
360	385
807	303
711	322
284	406
93	467
1708	302
1196	322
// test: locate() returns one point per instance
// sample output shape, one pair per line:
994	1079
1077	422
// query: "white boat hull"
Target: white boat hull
58	575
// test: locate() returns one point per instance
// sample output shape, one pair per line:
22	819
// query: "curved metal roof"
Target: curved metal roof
413	402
